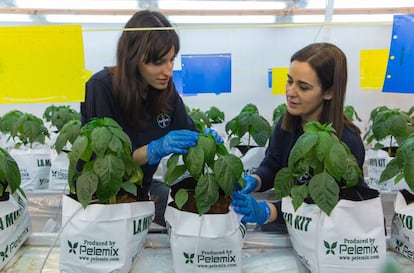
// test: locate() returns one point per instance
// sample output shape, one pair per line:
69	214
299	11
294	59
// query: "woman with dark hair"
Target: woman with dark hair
139	93
315	91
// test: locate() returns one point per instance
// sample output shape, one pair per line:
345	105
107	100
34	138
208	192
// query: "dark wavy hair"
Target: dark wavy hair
141	41
330	65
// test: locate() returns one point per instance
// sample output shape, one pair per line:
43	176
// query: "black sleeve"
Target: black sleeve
99	99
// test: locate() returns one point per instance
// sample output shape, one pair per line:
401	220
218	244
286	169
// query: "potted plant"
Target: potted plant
323	207
6	125
59	115
331	161
251	124
30	150
29	129
394	124
199	221
13	206
400	168
388	129
215	115
104	201
402	165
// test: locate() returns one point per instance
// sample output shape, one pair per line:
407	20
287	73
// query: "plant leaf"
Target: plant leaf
283	183
228	169
299	193
181	197
110	170
86	186
194	160
334	162
206	193
324	191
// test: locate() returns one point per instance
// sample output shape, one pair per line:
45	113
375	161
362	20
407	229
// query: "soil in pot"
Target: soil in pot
123	196
244	148
220	207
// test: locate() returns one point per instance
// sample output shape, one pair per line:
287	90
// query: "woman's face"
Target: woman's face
158	74
304	94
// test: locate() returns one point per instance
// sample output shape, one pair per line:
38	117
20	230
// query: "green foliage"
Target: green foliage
26	127
210	164
402	165
10	178
58	116
9	120
350	113
200	118
215	115
320	150
278	112
102	152
386	122
68	133
248	122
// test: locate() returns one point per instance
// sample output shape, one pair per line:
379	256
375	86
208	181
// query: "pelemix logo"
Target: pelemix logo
188	258
72	247
399	245
3	254
330	248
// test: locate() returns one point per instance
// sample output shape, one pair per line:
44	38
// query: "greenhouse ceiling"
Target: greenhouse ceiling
200	11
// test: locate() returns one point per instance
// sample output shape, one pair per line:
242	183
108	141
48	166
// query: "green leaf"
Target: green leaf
298	193
335	161
206	193
129	187
228	169
86	186
110	170
194	160
100	138
208	143
181	198
391	169
283	183
302	146
324	191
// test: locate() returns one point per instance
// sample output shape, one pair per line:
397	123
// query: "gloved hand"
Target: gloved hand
176	142
214	133
253	211
250	183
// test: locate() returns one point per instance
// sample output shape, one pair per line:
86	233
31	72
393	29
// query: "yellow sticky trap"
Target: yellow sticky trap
279	78
373	66
42	64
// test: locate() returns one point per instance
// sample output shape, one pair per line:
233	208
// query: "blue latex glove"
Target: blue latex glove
175	142
214	133
253	211
250	183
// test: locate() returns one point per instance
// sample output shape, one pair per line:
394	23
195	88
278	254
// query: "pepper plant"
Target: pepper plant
402	165
248	122
318	152
215	115
214	169
387	122
10	177
28	129
101	164
58	116
68	133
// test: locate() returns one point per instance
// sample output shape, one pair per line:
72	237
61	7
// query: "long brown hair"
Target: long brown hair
330	65
137	103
